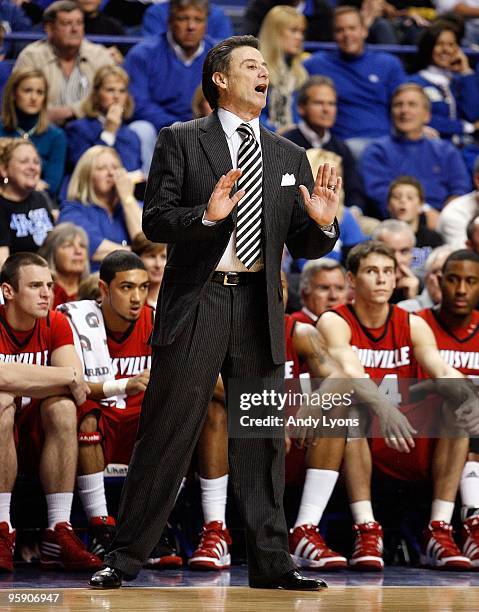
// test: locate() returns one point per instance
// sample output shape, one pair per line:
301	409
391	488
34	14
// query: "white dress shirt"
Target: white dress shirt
229	261
230	122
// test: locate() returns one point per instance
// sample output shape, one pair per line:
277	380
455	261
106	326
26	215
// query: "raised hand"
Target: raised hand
322	204
220	203
114	118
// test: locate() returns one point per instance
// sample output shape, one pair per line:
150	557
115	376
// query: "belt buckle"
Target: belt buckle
235	278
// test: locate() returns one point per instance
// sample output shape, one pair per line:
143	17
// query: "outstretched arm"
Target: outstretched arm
42	381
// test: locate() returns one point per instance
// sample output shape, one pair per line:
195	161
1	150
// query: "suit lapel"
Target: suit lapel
213	142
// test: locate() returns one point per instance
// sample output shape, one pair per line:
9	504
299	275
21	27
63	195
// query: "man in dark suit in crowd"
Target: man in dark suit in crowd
317	106
223	193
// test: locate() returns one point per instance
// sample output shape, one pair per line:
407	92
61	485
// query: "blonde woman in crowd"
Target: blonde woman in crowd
106	110
281	43
100	199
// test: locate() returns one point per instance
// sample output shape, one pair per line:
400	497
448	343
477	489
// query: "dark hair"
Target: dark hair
428	40
461	255
61	6
363	249
119	261
470	227
11	268
407	180
218	60
314	81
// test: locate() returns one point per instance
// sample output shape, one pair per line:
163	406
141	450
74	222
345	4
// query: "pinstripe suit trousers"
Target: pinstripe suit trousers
227	333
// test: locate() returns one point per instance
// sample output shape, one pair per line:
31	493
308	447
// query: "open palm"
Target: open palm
322	204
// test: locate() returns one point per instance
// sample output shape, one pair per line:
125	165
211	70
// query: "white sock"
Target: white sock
59	507
362	512
91	489
5	499
317	489
213	498
469	487
441	510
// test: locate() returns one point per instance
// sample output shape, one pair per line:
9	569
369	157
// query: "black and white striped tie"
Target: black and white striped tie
248	220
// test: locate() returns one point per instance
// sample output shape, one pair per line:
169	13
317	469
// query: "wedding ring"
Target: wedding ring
332	187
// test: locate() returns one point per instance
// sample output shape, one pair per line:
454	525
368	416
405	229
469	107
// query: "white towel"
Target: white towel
89	334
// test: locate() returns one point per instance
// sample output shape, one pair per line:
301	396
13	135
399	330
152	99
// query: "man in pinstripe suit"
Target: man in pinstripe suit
217	314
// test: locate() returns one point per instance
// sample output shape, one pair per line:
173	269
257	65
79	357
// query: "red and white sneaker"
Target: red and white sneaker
164	555
368	548
439	551
308	549
212	552
470	540
7	545
62	548
101	531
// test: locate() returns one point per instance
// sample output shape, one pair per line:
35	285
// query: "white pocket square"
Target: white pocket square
288	180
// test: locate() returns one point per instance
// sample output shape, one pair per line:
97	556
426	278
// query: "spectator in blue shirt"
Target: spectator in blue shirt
444	72
24	115
106	108
155	21
434	162
100	200
164	73
365	81
12	19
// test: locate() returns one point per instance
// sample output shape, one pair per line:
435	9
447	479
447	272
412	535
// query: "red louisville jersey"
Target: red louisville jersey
36	345
387	354
303	316
130	352
386	351
459	346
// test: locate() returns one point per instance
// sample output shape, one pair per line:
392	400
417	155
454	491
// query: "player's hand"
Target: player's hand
79	389
396	429
306	435
467	414
137	384
220	203
322	205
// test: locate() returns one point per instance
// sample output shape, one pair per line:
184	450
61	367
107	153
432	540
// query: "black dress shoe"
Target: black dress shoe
107	578
291	581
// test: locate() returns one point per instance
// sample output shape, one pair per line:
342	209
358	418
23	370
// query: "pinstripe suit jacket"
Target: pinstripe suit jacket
188	161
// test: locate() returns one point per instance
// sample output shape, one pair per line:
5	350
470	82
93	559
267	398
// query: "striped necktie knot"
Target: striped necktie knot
246	131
